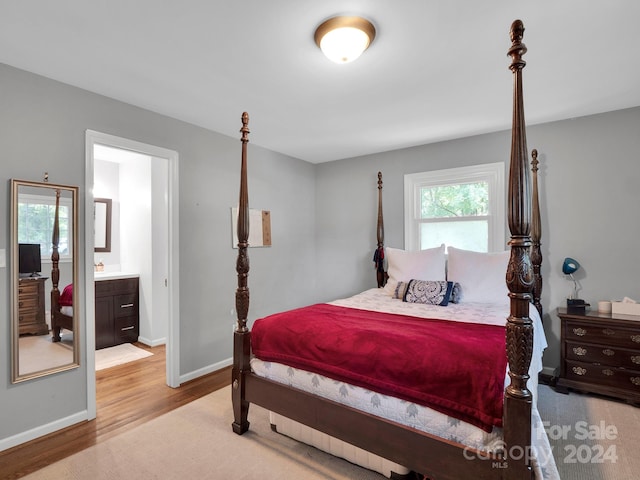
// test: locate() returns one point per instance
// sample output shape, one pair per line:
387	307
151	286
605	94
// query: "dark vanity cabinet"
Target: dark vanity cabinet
117	311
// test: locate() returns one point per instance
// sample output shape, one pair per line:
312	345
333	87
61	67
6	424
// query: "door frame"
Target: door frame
173	288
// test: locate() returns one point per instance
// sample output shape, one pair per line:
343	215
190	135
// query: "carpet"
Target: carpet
38	352
196	442
119	354
593	438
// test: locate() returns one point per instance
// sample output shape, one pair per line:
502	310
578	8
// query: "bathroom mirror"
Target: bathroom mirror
44	241
102	224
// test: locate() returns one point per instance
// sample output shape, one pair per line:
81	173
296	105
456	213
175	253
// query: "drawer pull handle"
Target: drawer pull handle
126	305
582	371
607	372
635	338
581	332
635	359
128	328
608	352
635	381
580	351
608	331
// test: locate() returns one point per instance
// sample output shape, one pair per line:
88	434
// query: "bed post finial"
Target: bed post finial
519	331
241	335
518	49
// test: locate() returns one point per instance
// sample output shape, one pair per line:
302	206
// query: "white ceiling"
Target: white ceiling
437	70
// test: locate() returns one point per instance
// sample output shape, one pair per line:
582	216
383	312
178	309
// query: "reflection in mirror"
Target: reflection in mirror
102	224
43	272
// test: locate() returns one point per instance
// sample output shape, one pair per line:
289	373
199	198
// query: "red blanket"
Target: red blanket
455	368
66	298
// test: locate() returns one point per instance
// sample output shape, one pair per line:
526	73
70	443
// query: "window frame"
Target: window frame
492	173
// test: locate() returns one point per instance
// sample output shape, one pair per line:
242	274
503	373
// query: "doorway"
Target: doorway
159	252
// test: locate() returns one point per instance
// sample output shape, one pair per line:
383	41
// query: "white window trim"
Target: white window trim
492	173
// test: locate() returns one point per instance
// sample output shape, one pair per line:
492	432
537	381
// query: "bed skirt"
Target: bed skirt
336	447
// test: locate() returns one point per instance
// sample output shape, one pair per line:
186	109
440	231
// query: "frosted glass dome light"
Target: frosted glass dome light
343	39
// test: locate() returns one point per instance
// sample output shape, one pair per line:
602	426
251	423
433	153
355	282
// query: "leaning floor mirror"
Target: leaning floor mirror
44	234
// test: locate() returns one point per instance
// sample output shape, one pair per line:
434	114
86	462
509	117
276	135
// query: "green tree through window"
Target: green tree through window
462	200
460	207
35	224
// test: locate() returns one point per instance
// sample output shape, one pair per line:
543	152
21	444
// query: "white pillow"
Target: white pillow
403	266
482	276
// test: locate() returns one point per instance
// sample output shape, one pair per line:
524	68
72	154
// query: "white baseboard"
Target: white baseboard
20	438
204	371
42	430
152	343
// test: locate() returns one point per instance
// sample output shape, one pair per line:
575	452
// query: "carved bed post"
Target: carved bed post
519	331
378	257
55	269
536	234
242	336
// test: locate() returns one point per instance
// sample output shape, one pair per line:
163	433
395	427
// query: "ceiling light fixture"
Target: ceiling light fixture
343	39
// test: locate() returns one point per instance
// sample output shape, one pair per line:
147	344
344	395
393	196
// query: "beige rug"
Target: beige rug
38	352
119	354
196	442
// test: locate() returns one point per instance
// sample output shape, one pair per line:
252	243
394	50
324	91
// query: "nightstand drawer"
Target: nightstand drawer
28	303
27	317
27	288
603	355
577	331
603	375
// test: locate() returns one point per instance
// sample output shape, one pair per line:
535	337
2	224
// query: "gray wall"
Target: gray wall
590	190
323	217
42	129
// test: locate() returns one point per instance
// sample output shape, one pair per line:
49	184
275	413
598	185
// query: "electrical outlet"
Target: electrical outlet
3	258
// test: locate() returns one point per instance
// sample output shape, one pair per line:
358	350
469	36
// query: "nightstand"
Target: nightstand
31	317
600	354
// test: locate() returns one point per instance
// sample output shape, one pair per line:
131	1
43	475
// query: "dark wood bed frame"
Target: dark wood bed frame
427	454
58	319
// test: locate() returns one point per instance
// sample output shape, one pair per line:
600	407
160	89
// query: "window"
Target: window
36	214
462	207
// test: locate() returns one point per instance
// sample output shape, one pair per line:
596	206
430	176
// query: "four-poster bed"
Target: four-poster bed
61	314
418	450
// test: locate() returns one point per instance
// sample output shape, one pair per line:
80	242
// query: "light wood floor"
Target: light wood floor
127	396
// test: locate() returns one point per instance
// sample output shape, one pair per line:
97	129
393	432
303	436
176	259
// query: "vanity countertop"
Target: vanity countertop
98	276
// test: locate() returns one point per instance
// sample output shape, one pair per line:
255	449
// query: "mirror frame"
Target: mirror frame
104	221
16	377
